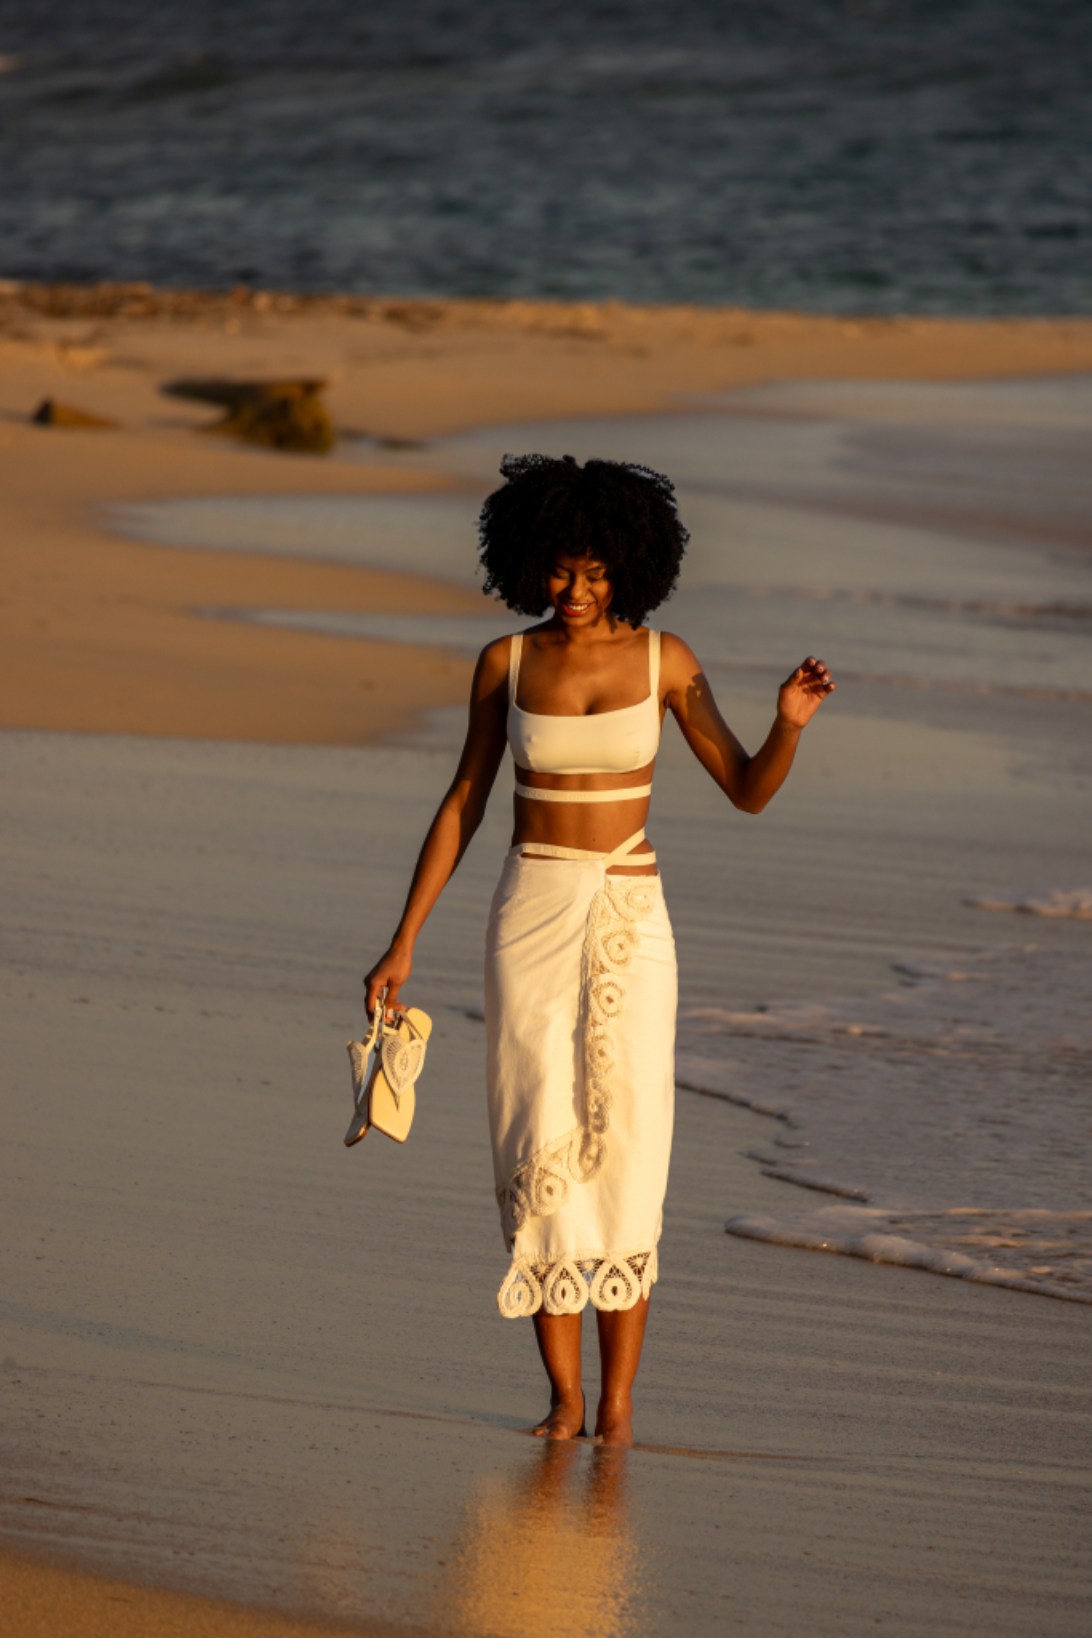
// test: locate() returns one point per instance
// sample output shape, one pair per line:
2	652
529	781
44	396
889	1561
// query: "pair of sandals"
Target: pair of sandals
384	1095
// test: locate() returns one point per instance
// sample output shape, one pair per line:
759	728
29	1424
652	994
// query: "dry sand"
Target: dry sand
99	634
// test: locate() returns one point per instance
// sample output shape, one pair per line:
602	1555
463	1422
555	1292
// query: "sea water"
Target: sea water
895	962
841	155
955	1107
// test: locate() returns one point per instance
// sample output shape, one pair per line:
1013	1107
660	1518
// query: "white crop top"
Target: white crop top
607	742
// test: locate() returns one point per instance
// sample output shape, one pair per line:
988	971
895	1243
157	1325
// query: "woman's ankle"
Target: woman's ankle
566	1396
614	1415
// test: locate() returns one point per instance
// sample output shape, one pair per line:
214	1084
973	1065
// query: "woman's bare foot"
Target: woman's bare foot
564	1421
614	1421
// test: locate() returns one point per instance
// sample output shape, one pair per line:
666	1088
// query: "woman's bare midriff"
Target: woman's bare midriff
597	827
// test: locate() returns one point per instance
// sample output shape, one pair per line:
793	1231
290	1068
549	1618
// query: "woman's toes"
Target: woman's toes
563	1422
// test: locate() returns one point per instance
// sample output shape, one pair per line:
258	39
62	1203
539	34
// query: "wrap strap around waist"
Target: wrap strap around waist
628	793
620	856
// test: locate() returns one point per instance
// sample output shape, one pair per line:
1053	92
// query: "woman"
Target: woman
580	960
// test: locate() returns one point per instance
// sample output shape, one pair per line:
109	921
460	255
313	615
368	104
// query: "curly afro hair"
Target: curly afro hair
623	515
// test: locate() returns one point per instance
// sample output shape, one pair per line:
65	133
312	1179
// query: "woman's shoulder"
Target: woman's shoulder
501	647
495	657
672	645
676	657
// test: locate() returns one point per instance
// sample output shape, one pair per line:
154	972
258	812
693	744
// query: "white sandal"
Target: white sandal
385	1098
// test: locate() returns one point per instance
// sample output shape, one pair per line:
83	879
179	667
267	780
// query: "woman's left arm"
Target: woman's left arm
749	782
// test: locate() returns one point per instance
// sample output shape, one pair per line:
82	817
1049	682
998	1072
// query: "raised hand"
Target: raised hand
801	695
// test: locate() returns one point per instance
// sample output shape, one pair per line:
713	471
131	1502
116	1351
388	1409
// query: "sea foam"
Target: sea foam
948	1115
1062	904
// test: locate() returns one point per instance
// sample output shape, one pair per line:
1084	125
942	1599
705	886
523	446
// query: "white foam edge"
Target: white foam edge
709	1079
1058	903
895	1249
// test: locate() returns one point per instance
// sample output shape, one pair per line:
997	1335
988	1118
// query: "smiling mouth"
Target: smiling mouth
576	608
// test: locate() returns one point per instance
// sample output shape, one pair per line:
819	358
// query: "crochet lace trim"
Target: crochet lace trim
540	1185
608	1280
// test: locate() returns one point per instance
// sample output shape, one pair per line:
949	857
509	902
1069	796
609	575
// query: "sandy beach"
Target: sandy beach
99	635
206	826
242	1362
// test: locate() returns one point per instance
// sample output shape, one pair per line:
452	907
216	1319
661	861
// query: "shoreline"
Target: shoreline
100	633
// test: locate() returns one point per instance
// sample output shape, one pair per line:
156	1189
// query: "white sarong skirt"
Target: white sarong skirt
581	990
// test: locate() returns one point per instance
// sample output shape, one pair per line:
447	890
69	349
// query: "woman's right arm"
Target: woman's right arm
458	817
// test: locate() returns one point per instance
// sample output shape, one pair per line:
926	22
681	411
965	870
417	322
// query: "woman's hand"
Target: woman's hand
803	693
389	973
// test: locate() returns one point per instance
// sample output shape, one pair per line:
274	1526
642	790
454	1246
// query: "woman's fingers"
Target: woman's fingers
803	693
811	672
815	673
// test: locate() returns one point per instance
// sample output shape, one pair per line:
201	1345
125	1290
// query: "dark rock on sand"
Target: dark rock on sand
52	413
276	414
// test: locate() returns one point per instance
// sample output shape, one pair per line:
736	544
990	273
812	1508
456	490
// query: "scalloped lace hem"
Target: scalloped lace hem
609	1280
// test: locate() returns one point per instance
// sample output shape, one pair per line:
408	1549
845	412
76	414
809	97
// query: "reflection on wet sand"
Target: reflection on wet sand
548	1548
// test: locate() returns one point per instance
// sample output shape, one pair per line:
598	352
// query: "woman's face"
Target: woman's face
579	589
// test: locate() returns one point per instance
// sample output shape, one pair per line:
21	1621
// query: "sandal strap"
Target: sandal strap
402	1060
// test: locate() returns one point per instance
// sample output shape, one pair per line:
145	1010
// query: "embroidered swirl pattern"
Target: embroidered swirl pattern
402	1062
540	1185
611	1281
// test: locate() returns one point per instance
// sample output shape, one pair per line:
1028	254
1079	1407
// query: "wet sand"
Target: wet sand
241	1361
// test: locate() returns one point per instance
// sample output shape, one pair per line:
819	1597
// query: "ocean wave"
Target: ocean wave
952	1107
1048	1253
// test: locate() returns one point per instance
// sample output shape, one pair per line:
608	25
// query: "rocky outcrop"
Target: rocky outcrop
276	414
52	413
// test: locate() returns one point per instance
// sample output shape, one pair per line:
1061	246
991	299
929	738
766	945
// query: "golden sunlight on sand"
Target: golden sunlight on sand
43	1601
102	634
547	1549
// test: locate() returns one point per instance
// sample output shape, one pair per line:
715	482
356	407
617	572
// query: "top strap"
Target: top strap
515	648
624	793
654	667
